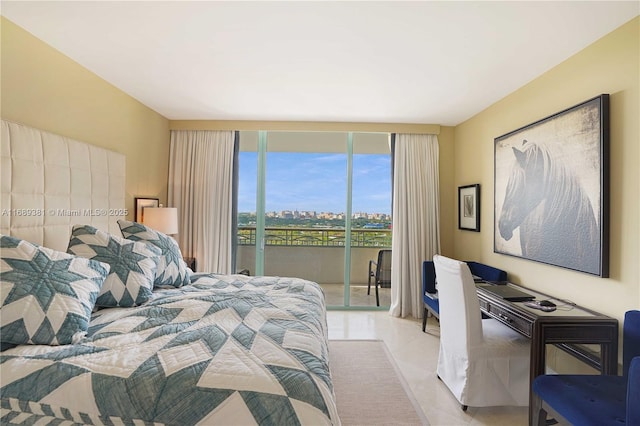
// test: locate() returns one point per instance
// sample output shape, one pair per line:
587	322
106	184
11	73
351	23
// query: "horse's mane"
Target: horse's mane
545	199
562	190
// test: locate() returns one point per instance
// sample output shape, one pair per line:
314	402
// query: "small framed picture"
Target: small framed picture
469	207
139	206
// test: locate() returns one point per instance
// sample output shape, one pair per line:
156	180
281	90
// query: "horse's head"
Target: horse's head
525	188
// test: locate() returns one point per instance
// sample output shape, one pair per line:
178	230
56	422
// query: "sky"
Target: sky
317	182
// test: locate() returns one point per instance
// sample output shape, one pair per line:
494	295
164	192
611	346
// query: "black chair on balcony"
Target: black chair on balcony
380	272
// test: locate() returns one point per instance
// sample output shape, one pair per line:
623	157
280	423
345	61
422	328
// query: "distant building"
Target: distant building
311	214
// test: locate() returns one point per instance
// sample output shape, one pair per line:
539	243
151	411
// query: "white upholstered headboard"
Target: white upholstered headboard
50	183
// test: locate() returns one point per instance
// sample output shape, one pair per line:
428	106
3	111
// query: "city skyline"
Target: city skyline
305	214
317	182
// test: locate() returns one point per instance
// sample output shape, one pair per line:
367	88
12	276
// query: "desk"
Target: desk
567	327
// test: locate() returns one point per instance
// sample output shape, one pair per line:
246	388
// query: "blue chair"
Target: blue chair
597	400
487	273
430	294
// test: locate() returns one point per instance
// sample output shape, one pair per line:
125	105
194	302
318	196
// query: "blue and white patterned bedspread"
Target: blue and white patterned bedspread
227	349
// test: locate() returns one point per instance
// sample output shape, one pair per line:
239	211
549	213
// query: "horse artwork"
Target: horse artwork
549	202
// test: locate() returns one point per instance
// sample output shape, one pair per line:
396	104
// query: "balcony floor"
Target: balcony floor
334	295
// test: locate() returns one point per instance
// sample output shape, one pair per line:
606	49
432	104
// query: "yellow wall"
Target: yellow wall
448	196
43	88
611	65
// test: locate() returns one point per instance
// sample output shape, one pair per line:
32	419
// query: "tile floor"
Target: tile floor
334	295
416	354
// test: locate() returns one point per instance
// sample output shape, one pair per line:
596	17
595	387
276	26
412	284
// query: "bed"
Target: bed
122	332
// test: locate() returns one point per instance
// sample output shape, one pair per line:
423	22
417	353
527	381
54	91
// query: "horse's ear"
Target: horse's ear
520	156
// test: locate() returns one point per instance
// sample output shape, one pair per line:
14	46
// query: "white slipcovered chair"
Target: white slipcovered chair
483	362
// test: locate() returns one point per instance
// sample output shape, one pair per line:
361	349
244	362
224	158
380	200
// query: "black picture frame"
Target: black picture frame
551	189
139	203
469	207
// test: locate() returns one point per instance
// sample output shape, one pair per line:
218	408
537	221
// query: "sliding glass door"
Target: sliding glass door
295	209
371	214
248	241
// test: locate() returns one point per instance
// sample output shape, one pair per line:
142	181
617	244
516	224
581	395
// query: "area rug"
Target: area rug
369	387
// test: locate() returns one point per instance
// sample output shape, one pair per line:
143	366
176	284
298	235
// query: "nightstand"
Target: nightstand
191	263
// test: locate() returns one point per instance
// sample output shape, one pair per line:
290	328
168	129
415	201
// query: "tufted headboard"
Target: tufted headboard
50	183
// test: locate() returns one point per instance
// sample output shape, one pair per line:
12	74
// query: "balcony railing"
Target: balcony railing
315	237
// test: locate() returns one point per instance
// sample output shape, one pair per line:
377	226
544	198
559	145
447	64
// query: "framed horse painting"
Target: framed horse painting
551	193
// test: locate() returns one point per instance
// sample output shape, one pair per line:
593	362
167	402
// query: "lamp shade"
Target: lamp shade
162	219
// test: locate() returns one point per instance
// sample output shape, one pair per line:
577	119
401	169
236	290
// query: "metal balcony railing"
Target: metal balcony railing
315	237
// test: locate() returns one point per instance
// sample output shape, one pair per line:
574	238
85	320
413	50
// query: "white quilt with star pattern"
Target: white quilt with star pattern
225	350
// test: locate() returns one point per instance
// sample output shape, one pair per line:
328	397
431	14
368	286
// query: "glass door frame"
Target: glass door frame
261	195
262	149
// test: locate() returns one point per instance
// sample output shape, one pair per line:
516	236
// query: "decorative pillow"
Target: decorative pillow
172	269
133	265
47	296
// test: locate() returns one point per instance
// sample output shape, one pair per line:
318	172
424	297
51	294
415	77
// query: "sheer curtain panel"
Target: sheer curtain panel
416	223
201	187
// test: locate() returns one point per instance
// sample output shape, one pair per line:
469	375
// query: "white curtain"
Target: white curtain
416	223
200	186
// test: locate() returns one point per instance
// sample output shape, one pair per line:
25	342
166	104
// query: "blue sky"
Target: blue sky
310	181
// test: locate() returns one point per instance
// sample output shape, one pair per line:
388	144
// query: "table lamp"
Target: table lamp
162	219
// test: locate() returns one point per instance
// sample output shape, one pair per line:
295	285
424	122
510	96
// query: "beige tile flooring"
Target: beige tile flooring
416	354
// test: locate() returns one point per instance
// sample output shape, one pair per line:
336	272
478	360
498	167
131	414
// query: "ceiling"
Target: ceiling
395	62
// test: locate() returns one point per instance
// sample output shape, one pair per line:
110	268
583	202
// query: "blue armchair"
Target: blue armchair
596	399
430	294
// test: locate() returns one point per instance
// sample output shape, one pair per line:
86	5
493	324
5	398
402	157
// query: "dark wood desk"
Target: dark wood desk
568	327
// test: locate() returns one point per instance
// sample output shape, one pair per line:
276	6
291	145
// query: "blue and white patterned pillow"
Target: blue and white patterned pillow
172	269
47	296
133	265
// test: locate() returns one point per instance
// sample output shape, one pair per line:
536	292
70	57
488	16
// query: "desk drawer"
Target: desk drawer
509	318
